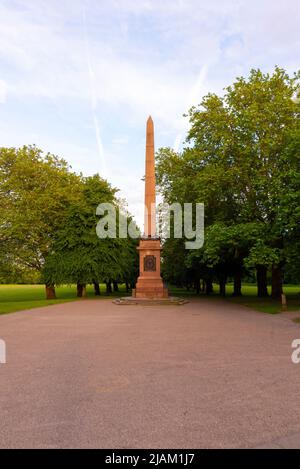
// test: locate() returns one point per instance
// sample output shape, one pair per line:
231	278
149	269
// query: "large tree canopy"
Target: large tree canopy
48	224
242	162
78	255
35	190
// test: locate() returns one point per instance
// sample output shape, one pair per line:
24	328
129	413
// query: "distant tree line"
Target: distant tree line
242	160
48	225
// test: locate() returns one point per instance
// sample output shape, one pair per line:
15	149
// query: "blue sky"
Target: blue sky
79	77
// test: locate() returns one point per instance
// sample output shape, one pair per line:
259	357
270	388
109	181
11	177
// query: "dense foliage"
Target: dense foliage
242	161
48	224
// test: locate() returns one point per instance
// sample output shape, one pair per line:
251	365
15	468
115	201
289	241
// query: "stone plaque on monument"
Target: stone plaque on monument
149	263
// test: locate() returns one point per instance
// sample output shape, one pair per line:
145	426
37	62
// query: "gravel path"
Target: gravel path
202	375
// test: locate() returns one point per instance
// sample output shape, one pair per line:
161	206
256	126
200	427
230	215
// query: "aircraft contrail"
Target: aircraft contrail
93	97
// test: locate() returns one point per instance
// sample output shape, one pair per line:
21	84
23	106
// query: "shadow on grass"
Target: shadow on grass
249	298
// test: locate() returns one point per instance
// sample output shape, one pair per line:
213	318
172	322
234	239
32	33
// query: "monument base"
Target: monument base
150	284
131	300
150	288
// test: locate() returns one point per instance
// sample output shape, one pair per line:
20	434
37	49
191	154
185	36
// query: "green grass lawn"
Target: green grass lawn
249	298
22	297
267	305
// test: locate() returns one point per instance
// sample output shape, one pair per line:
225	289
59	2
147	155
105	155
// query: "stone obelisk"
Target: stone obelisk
150	210
149	283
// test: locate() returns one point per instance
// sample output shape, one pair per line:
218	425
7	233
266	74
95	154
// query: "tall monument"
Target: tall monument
149	283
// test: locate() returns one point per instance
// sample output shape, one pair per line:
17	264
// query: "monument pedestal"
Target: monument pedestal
149	283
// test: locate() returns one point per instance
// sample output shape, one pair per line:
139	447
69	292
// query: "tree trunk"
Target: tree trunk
197	286
222	286
50	292
96	288
81	290
237	284
208	286
116	286
276	281
108	287
261	279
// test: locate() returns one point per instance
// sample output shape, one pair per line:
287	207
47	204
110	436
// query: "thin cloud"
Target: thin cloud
195	94
3	91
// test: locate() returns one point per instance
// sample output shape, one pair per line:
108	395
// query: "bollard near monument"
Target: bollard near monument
283	302
2	352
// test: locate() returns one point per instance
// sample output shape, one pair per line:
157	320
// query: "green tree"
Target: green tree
79	256
241	162
35	190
